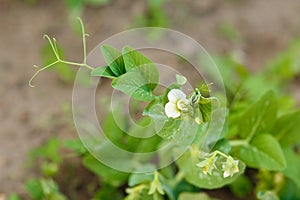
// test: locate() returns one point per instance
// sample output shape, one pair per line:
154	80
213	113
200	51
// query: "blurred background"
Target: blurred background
254	32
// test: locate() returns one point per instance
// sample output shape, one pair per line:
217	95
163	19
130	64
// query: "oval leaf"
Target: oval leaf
133	59
286	129
259	117
103	72
135	83
293	162
265	152
113	59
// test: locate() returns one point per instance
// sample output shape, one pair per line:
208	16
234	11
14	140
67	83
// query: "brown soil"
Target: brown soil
29	116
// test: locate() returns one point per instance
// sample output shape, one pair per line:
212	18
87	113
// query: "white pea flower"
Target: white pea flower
208	165
177	103
230	167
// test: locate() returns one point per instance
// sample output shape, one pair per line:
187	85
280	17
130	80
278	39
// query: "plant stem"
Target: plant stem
77	64
83	39
235	143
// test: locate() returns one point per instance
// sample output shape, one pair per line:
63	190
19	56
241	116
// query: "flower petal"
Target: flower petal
226	174
175	94
171	110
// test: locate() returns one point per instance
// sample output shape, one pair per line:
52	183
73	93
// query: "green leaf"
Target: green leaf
290	191
136	179
222	145
48	151
157	113
259	117
264	152
113	59
194	196
108	174
103	72
133	59
75	145
287	63
257	85
135	83
205	110
194	175
112	128
286	129
34	188
165	127
170	129
183	186
293	162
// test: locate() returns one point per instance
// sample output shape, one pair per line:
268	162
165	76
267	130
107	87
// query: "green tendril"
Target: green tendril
53	44
39	70
83	39
55	48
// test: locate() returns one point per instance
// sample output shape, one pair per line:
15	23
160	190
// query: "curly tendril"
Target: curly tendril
53	44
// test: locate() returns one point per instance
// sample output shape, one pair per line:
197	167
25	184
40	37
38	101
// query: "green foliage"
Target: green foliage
136	179
261	135
266	132
195	196
259	117
106	173
48	157
286	65
132	73
286	129
43	189
134	83
129	139
290	191
293	162
75	145
264	152
114	60
49	151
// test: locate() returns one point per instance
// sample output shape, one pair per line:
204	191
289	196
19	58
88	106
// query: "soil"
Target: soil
28	116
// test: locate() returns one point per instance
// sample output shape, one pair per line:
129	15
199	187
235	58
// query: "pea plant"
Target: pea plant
257	153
